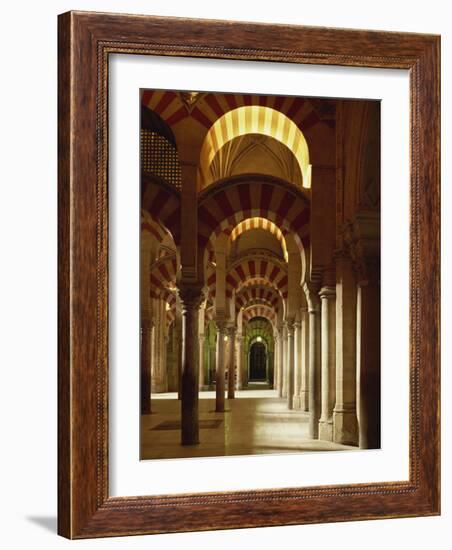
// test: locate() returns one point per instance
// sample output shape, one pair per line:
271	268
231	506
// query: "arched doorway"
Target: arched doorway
258	362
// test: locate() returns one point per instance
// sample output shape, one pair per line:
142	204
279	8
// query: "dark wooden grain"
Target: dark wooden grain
85	508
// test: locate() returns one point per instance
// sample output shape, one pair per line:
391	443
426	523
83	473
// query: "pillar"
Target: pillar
285	361
314	362
281	362
231	366
304	390
191	298
201	340
328	362
220	366
239	339
276	371
345	425
146	365
290	363
297	365
368	334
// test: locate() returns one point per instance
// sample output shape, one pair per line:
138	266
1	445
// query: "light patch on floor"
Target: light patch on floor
255	422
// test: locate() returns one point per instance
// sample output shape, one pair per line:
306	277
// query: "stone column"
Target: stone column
280	361
146	365
304	390
345	426
201	339
368	333
297	365
314	362
276	371
290	363
239	339
231	366
328	361
191	298
285	370
220	365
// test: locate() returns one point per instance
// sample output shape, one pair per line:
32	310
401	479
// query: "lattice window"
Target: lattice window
159	157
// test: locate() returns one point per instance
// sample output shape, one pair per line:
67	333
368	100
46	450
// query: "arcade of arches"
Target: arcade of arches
260	273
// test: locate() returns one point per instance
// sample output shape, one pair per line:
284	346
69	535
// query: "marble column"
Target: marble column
314	363
201	340
191	297
368	341
345	425
328	362
285	370
280	362
297	365
146	365
231	365
290	363
304	390
276	369
220	366
239	339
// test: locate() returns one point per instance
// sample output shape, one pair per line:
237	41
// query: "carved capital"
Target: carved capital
327	293
191	296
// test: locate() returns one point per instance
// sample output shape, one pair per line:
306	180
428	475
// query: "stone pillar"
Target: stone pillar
280	362
304	390
285	370
328	361
201	339
290	363
146	365
231	366
220	365
297	365
368	334
239	339
345	426
314	363
276	371
191	297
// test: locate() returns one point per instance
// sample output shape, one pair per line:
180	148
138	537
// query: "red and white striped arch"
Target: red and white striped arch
226	205
259	311
163	276
261	269
162	202
251	294
208	107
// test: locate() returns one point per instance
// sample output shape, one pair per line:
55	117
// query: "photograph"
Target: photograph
259	274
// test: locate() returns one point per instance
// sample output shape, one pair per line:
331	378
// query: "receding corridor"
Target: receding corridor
255	422
259	274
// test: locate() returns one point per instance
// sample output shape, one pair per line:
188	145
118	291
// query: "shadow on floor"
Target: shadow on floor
49	523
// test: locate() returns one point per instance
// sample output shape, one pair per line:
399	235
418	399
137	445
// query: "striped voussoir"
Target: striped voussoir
206	108
257	294
163	276
229	203
162	202
259	311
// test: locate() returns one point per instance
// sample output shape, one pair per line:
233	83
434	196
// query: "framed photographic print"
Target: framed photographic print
248	275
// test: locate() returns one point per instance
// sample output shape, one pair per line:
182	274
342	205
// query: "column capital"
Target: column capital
297	325
289	325
221	324
312	297
147	323
231	330
327	292
191	295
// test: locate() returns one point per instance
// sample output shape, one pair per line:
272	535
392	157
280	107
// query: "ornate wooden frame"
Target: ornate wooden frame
85	42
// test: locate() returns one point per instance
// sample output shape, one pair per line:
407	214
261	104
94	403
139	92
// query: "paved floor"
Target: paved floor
255	422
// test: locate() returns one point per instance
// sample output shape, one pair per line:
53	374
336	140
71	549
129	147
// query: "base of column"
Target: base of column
345	427
304	400
326	430
297	402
